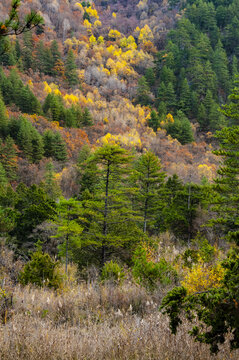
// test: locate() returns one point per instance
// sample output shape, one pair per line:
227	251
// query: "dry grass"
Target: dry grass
92	322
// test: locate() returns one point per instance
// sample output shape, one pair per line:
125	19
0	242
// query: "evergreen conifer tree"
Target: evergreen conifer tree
70	69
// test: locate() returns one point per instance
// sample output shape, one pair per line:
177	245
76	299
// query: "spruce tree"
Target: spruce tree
109	219
150	179
8	158
154	120
87	119
60	151
70	69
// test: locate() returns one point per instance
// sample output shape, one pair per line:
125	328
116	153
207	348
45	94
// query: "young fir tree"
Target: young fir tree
154	120
3	119
150	179
68	228
32	208
227	183
87	119
8	157
70	69
143	91
60	151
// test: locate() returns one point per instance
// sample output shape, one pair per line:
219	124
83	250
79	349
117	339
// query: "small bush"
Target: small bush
41	270
113	272
148	273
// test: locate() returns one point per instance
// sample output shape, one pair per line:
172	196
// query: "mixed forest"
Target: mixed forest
119	179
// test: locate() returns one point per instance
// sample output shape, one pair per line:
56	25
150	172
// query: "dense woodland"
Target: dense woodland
119	174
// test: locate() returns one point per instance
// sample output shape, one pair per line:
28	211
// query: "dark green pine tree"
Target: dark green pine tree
6	88
86	174
27	52
220	66
30	141
150	76
231	110
153	120
108	217
48	141
70	69
227	184
150	180
69	229
181	128
3	177
8	158
7	52
234	68
143	91
28	103
60	151
18	49
33	207
161	93
55	52
167	75
185	97
37	146
162	110
170	97
87	119
3	119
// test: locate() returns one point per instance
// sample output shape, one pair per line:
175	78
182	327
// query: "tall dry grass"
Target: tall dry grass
94	322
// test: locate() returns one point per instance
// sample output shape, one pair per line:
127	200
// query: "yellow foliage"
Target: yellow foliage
87	24
68	42
169	118
30	83
79	6
57	92
110	49
114	34
203	277
71	99
92	12
81	74
47	88
97	23
110	63
100	40
145	34
92	40
205	170
130	139
114	15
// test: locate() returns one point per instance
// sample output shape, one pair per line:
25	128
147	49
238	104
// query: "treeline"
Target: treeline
195	71
123	200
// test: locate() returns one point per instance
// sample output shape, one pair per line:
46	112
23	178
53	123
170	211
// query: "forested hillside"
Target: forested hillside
119	170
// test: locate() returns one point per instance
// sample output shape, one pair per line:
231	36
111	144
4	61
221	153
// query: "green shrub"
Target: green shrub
41	270
113	272
149	273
